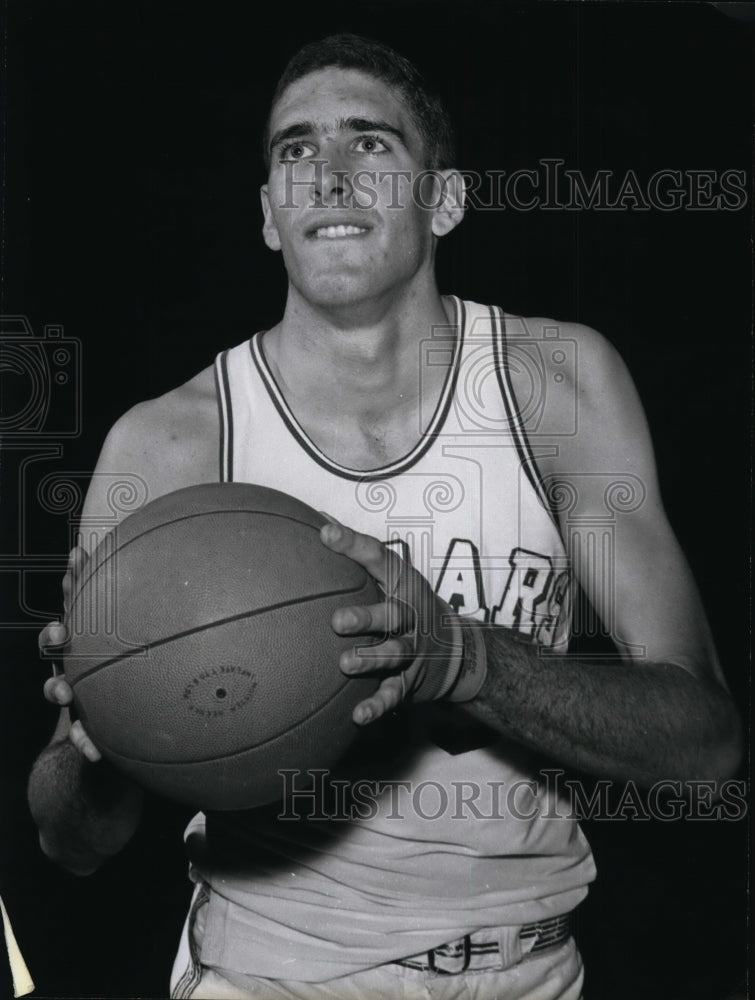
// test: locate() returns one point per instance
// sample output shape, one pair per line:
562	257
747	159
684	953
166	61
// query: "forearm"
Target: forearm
621	720
85	812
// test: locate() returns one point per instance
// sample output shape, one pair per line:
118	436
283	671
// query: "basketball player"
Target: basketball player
399	412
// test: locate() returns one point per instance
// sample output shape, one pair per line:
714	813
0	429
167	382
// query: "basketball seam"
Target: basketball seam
209	626
177	520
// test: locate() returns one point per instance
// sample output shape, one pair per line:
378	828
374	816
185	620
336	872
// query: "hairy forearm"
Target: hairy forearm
85	812
621	720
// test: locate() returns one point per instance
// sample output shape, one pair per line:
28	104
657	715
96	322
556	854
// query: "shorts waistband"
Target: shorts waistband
492	948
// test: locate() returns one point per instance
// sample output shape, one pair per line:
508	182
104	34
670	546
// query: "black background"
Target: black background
131	218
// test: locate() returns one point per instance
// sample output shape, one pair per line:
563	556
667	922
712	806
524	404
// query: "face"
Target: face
342	201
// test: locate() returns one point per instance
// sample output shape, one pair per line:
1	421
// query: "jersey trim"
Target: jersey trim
383	472
225	412
526	456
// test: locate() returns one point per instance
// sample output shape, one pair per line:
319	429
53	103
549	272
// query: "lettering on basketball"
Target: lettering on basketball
219	691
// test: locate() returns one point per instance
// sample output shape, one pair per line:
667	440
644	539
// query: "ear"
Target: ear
269	228
452	199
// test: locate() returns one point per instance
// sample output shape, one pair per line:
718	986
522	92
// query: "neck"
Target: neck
370	354
363	391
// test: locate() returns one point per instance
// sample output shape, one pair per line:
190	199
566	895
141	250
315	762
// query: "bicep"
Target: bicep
157	447
637	578
623	549
119	484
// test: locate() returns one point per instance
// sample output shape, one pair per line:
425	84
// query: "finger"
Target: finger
390	655
58	691
78	736
379	561
77	559
325	514
387	618
67	586
387	697
53	635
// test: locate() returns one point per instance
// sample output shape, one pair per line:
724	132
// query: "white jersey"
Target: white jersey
446	829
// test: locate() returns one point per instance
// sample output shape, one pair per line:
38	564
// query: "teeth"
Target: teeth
333	232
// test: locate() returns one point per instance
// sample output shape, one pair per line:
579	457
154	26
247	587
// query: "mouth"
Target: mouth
337	232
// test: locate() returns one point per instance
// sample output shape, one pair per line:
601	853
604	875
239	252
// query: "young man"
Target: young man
403	414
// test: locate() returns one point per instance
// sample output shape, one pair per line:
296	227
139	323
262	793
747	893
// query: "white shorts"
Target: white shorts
551	974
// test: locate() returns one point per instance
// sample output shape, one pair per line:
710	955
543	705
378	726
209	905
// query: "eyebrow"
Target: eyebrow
298	130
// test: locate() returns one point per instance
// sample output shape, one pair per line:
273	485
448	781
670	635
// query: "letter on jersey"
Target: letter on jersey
460	582
525	600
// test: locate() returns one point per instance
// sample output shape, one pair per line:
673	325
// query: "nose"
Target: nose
333	185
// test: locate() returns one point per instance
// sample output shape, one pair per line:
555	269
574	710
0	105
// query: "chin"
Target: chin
339	291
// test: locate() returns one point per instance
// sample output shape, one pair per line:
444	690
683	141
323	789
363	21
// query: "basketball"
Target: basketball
201	656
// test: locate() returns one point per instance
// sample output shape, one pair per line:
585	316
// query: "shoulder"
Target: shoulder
578	354
158	446
181	420
575	395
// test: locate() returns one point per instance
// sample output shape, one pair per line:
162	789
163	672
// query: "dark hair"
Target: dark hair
384	63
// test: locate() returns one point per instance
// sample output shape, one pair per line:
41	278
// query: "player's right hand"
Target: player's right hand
52	639
422	649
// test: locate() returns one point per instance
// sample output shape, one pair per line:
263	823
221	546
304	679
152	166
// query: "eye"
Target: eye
293	151
370	144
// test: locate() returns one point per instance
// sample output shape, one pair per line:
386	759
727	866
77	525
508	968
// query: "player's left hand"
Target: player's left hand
421	649
52	640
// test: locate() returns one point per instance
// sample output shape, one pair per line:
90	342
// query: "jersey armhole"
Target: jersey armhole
225	419
514	414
